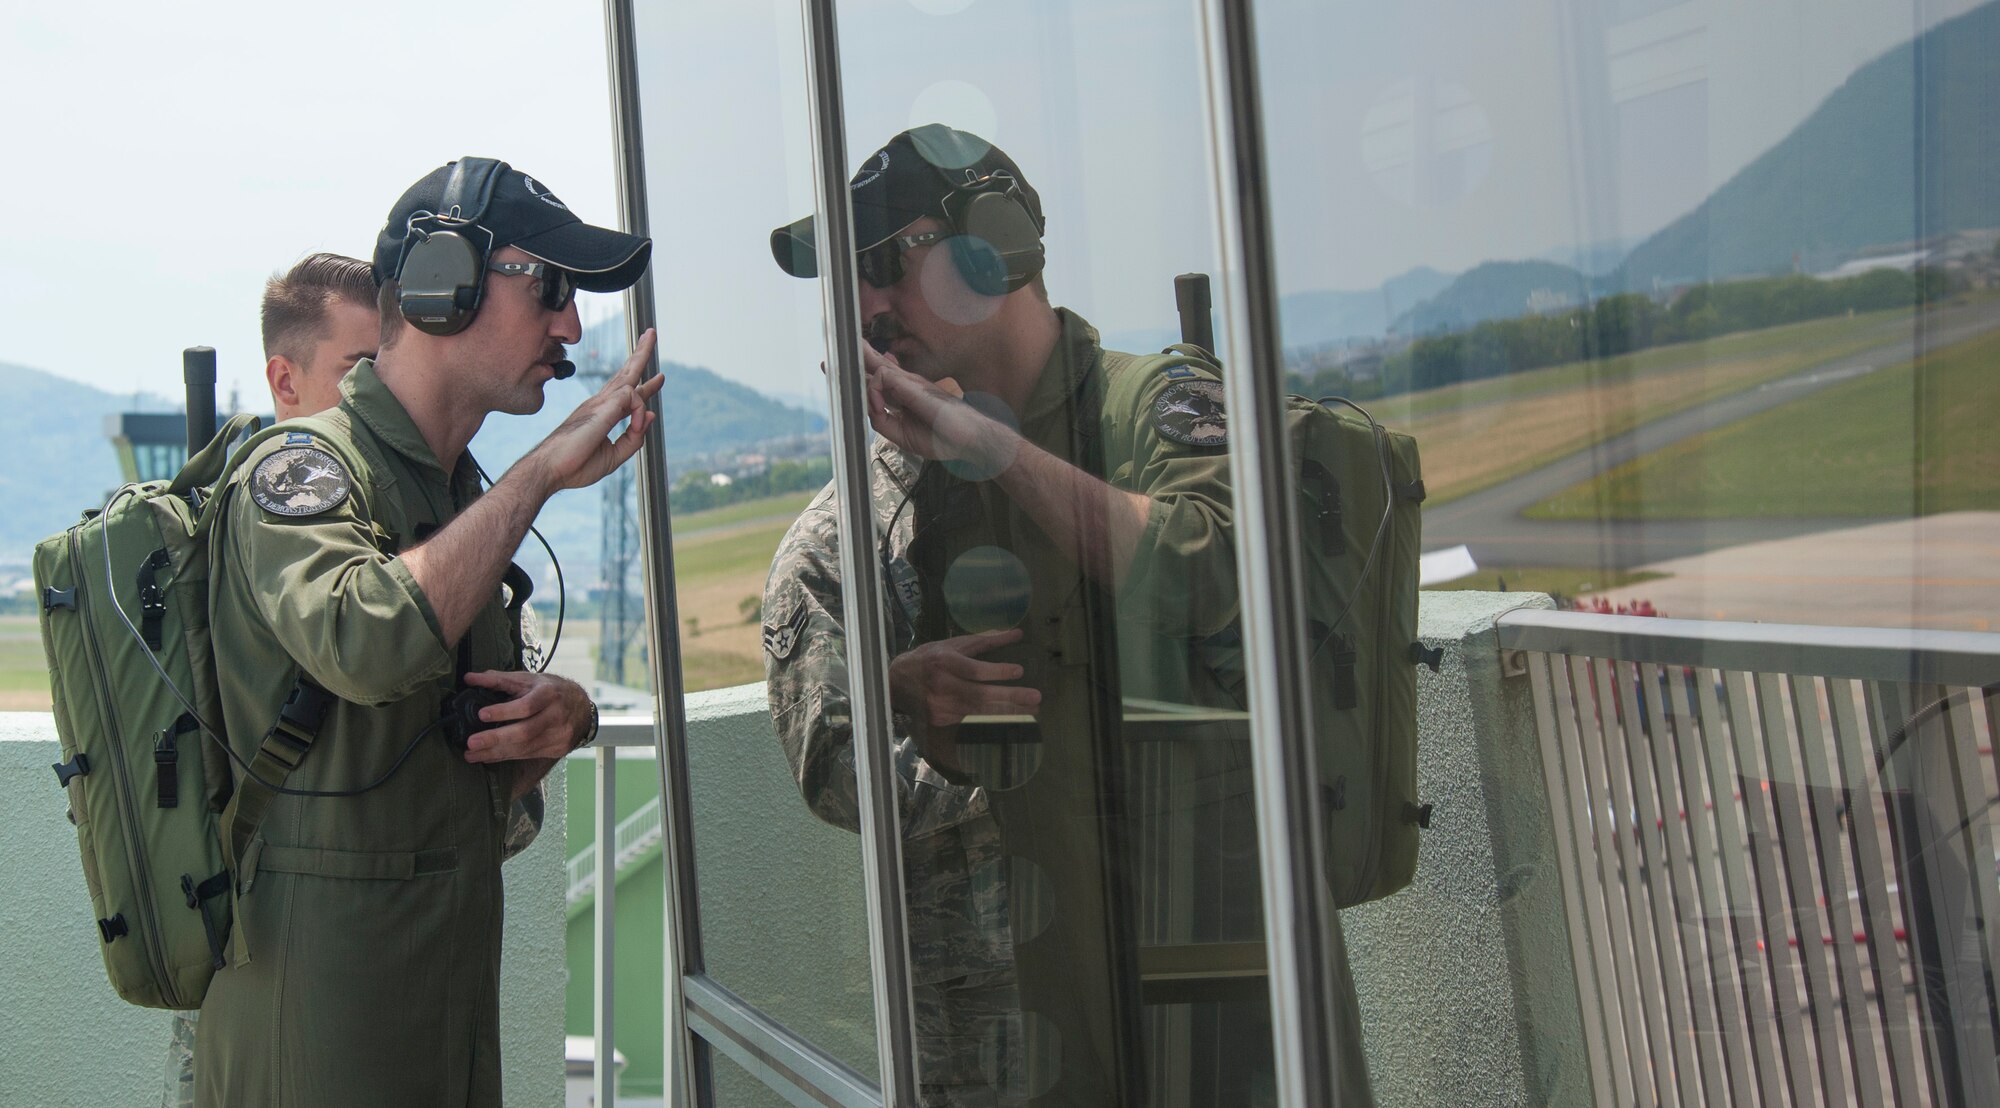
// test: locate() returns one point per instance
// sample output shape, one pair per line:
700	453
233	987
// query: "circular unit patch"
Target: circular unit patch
300	481
1191	412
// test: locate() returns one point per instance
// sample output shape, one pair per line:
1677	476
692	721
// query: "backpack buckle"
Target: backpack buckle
78	766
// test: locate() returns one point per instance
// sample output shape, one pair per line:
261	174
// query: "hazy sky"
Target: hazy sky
164	160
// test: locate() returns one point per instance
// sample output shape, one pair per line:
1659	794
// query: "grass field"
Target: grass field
1476	435
720	564
721	557
1897	442
24	673
1554	580
750	511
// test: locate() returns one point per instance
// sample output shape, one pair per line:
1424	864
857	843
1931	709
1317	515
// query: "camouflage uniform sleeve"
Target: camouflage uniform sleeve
350	615
1183	576
178	1090
524	819
805	666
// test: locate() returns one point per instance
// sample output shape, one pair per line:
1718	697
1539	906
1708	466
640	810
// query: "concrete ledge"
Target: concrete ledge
1467	993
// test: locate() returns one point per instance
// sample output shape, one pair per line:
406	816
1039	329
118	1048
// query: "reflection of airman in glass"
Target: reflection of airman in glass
1044	550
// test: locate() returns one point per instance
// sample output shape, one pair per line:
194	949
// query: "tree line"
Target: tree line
697	490
1624	323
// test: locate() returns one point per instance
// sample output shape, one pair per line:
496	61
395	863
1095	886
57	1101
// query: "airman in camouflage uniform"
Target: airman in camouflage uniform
956	894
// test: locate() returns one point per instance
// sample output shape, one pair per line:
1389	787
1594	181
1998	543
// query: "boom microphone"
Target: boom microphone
564	369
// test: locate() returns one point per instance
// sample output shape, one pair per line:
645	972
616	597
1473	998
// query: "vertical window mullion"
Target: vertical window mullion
1298	909
686	1082
862	588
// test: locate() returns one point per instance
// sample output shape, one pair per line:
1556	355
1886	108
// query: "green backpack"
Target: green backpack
1360	488
124	621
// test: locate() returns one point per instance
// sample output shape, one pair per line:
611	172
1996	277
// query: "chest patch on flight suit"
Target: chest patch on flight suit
300	481
1191	412
781	639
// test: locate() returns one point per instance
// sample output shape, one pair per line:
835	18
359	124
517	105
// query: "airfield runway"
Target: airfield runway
1491	524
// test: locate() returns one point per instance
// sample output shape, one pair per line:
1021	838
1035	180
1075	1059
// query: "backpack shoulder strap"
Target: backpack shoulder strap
291	736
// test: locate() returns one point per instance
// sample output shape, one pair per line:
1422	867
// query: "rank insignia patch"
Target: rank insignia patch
300	481
780	641
1191	412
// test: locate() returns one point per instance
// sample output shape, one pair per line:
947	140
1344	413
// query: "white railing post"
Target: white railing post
603	1075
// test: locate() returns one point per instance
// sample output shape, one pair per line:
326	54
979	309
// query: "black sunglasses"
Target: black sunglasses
555	286
882	265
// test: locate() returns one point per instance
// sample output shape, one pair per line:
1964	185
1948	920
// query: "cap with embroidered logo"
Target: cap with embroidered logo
906	180
521	212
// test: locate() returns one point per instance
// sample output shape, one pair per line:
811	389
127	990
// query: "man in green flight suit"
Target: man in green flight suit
361	580
1053	558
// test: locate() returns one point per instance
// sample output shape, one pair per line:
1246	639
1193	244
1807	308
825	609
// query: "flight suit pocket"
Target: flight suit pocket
357	865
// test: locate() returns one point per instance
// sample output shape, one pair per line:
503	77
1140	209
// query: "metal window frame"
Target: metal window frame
1299	919
1298	908
698	1011
863	596
686	1078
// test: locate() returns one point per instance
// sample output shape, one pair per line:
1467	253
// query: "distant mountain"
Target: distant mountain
1327	315
1919	117
1593	259
1495	290
1316	316
56	459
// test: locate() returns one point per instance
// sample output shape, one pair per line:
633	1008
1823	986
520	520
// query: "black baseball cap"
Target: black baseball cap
904	181
520	212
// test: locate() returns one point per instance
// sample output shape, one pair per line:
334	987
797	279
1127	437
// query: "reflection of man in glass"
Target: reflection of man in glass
1056	535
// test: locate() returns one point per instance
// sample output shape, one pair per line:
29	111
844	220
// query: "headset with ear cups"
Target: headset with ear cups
996	238
995	242
442	271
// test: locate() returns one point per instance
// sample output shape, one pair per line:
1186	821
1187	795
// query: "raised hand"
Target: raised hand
580	451
930	421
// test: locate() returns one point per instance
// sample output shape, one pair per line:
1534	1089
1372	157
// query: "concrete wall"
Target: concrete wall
1467	993
67	1040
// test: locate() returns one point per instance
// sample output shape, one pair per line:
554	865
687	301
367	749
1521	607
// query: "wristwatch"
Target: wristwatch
590	734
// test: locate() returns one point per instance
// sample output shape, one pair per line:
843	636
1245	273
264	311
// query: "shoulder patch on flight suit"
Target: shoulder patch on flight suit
300	481
1191	412
780	639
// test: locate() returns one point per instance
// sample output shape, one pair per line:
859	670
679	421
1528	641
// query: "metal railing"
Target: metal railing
602	875
1777	856
635	835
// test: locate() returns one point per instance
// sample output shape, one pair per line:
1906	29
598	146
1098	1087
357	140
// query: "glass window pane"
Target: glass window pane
1078	841
781	908
736	1086
1688	307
